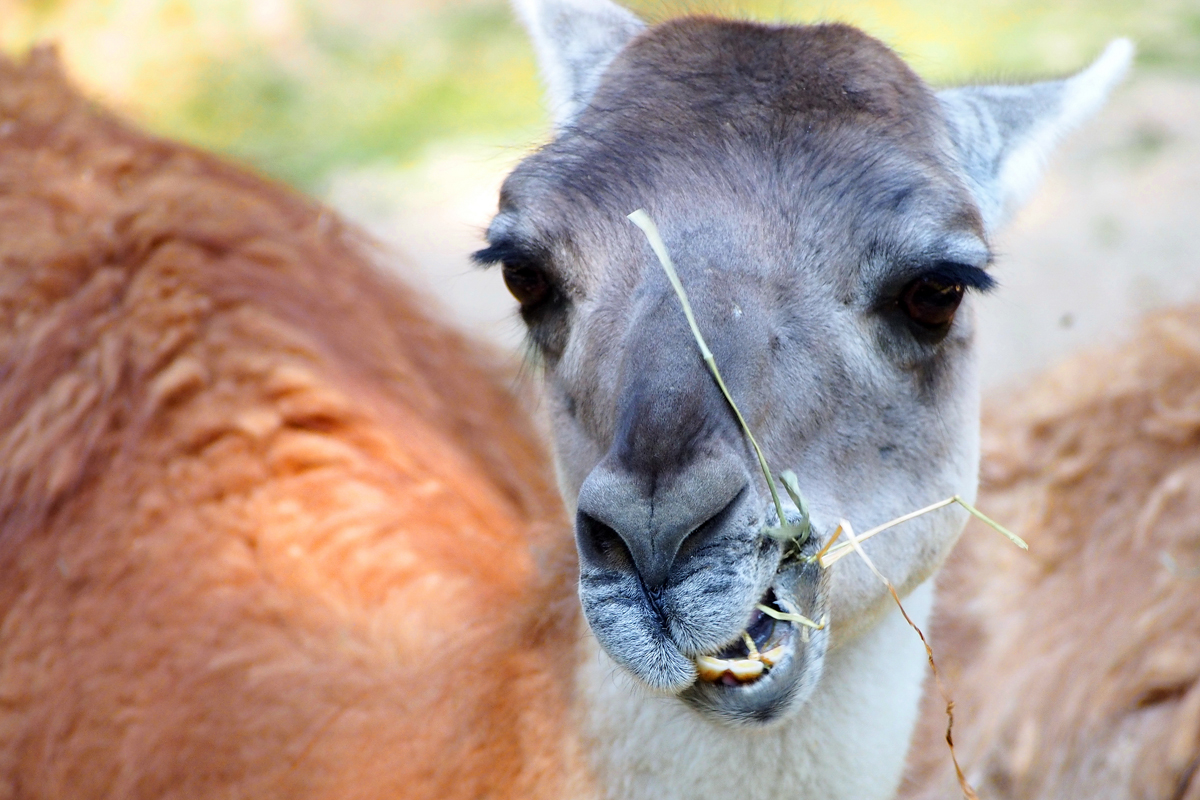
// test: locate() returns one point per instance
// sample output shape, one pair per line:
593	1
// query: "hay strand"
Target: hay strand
788	616
828	554
643	221
791	485
855	544
827	559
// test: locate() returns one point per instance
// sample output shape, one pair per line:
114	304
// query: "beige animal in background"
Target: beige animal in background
267	530
1076	667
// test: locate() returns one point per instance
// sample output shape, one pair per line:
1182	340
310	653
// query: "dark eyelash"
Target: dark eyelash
962	274
504	250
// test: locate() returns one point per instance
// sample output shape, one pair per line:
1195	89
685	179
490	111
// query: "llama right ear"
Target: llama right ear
575	41
1004	134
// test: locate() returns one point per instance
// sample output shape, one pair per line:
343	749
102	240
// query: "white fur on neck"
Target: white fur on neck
850	741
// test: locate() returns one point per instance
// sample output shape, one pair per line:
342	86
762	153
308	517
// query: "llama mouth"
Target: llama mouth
763	644
736	688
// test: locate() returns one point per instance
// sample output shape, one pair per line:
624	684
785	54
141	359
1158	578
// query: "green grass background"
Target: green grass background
300	88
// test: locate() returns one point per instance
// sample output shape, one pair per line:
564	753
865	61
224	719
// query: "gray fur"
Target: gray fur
575	40
801	178
1003	134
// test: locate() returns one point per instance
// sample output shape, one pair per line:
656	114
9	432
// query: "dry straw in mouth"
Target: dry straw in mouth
643	221
799	533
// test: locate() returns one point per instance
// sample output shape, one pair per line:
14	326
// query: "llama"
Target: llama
1077	668
266	530
829	214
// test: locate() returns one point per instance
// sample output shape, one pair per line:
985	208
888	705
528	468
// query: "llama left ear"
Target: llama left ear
575	41
1004	134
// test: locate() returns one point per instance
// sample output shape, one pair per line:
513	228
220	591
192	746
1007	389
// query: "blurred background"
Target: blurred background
406	114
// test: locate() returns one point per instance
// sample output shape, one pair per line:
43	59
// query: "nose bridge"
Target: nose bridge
668	406
676	459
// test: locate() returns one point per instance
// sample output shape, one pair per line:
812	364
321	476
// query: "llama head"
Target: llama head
829	216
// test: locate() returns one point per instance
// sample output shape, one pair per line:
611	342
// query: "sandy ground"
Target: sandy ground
1113	232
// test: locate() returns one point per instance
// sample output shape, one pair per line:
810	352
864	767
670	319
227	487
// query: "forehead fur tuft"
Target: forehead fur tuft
750	74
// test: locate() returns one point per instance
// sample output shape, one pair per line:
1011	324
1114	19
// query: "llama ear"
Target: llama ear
575	41
1004	134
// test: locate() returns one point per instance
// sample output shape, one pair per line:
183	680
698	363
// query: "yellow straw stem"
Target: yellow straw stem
787	616
828	554
856	546
643	221
837	553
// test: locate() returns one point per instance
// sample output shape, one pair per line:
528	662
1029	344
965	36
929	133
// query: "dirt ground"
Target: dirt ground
1113	231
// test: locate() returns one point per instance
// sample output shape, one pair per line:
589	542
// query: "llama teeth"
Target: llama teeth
771	657
746	669
743	669
711	669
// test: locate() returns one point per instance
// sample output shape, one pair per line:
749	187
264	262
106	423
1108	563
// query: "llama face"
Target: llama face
816	204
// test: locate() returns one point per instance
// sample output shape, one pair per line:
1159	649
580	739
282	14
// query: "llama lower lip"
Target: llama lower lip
796	653
762	644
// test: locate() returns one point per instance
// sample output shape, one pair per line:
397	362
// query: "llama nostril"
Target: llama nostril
624	531
601	546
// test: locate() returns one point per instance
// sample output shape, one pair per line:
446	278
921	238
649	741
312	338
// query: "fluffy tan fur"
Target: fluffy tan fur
1076	667
265	529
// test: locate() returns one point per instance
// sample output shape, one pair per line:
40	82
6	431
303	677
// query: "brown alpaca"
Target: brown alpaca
265	529
1076	667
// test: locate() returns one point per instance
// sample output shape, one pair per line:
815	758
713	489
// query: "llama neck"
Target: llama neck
849	741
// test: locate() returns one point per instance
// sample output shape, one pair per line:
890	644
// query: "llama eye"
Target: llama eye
526	283
931	301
